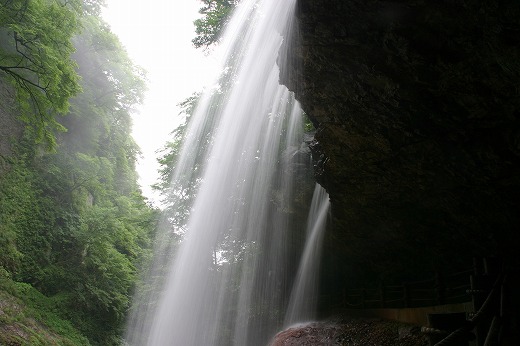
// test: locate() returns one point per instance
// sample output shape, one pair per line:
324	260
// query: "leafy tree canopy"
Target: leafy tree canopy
73	222
35	57
215	16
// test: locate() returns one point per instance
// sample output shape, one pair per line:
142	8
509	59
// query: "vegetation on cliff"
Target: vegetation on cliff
74	227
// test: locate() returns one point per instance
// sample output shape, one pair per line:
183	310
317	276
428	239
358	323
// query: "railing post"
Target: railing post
485	271
492	334
477	297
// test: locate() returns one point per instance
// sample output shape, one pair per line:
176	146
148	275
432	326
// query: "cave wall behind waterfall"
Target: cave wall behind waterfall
417	109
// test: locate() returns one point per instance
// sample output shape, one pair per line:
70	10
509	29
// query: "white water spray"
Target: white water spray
229	280
304	298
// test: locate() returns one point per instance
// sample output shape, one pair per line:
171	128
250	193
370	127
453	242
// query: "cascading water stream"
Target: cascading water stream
303	302
228	281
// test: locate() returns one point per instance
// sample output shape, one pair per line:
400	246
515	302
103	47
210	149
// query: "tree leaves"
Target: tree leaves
73	222
35	51
209	27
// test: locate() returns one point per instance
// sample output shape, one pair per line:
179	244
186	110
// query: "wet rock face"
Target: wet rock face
417	110
350	332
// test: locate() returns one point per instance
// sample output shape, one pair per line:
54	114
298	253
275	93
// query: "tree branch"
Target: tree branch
19	77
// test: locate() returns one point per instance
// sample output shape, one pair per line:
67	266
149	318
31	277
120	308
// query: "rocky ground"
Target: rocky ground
350	331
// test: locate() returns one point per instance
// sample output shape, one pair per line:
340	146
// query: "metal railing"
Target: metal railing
438	290
485	323
483	285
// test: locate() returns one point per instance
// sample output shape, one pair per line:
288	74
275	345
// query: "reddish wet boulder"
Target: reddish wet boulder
351	332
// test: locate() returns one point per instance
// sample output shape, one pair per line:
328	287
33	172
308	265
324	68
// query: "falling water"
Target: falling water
229	279
302	306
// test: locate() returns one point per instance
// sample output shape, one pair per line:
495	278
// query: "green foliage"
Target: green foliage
15	203
35	50
22	305
78	239
215	16
308	126
92	7
74	226
178	195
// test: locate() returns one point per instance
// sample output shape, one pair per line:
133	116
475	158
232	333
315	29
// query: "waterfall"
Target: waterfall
303	302
229	280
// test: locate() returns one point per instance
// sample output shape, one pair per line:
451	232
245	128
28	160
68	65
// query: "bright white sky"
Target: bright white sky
157	35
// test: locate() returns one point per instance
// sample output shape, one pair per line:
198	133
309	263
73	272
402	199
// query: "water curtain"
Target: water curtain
229	280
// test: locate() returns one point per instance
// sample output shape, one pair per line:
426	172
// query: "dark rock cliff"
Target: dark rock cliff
417	110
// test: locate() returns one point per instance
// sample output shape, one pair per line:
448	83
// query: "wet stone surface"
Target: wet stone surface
349	331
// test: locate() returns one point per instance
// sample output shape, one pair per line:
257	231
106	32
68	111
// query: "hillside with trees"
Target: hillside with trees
74	226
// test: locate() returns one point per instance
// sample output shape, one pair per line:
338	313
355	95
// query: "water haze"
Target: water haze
229	280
